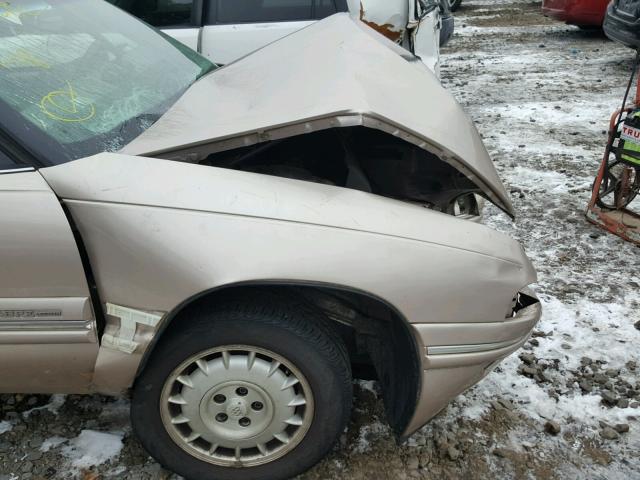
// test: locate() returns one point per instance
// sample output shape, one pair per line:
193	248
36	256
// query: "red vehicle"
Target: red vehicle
583	13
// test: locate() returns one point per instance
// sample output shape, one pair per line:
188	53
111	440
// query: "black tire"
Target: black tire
590	28
454	4
301	335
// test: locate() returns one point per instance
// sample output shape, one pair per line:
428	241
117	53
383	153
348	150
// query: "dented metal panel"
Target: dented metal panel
124	339
194	228
251	227
159	233
127	335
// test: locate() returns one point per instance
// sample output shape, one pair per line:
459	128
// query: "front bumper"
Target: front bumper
458	355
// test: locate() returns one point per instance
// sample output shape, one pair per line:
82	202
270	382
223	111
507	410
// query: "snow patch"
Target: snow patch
53	406
5	427
372	431
92	448
554	182
474	411
369	385
599	331
52	442
116	472
466	31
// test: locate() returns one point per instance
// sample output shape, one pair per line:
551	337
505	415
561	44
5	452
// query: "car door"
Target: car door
235	28
48	338
425	36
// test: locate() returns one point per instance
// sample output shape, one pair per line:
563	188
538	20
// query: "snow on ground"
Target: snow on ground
548	97
540	93
92	448
52	442
569	323
53	406
5	427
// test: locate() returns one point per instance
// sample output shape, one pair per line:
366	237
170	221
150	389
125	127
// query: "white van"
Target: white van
225	30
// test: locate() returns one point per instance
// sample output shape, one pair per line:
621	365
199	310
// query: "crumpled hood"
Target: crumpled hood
337	72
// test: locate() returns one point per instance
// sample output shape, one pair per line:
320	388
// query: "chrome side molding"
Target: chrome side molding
482	347
47	333
60	309
17	170
63	320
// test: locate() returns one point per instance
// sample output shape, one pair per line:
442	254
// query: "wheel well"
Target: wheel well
380	342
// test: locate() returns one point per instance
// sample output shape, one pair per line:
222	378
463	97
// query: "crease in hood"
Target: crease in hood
335	68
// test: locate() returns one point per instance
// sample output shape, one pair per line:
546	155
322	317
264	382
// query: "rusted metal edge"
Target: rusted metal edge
386	29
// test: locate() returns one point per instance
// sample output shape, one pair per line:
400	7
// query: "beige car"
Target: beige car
235	245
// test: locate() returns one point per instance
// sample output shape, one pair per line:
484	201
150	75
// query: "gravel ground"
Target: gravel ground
567	405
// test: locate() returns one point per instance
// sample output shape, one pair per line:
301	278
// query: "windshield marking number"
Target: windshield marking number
64	106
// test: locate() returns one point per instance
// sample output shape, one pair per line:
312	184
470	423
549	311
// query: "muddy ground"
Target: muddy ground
541	93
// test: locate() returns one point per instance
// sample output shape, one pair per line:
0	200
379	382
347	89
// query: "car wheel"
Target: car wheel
454	4
245	392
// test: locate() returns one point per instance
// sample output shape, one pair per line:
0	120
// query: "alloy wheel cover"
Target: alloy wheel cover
237	405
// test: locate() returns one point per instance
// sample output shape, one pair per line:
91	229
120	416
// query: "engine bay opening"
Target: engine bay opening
363	159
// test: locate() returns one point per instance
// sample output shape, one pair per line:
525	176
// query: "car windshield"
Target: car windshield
79	77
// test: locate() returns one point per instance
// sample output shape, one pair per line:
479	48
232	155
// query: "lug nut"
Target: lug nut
244	422
257	406
242	391
222	417
219	398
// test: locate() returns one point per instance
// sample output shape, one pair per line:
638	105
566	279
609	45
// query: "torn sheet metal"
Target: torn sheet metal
413	24
388	17
128	333
124	339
